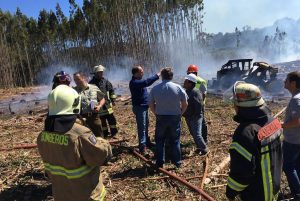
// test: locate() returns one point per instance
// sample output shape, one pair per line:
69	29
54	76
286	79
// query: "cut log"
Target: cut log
217	170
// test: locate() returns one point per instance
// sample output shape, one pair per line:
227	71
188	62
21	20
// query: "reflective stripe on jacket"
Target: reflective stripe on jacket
255	166
106	87
72	160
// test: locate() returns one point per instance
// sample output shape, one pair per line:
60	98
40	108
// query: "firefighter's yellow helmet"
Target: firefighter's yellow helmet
63	100
247	95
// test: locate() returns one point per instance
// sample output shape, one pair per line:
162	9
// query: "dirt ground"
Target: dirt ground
125	177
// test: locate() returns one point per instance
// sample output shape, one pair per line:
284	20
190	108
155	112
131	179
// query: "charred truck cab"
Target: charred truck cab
260	73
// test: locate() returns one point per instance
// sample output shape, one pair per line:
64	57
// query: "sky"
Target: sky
225	15
219	15
31	8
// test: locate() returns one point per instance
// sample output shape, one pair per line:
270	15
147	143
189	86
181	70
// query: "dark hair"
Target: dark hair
135	69
81	74
167	73
295	77
61	77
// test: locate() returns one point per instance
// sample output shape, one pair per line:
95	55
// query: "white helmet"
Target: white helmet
63	100
192	77
99	68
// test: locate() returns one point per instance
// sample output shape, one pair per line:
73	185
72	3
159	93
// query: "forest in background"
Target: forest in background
119	34
101	31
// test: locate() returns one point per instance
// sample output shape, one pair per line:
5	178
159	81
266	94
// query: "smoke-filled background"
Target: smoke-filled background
119	34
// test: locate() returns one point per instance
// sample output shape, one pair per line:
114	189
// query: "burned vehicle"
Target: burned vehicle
260	73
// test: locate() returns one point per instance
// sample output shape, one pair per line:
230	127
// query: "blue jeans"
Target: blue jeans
142	120
195	127
291	166
172	124
204	126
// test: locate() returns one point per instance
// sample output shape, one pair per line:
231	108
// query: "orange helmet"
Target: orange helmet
192	68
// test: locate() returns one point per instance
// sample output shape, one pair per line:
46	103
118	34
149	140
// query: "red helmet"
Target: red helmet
192	68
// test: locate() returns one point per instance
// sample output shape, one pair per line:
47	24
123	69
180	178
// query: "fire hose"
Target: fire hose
171	175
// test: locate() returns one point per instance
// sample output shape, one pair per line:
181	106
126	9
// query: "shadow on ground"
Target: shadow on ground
35	189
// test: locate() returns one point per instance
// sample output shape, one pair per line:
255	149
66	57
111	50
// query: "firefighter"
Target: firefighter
106	112
255	151
71	153
202	86
61	77
92	99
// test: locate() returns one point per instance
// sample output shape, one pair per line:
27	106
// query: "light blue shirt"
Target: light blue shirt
292	135
167	97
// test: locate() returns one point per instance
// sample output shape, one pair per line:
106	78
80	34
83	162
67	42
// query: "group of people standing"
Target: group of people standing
169	102
97	99
258	152
72	153
70	145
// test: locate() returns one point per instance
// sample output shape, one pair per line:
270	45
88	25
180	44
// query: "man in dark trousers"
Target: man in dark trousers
106	112
139	97
194	113
255	151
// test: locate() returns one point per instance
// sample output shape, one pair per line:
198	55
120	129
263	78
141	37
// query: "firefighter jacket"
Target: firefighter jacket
256	156
72	157
88	94
106	87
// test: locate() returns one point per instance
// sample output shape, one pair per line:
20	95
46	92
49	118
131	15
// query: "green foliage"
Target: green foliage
100	30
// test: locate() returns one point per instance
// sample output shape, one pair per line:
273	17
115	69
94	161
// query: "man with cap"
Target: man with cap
202	86
71	153
255	151
106	113
193	114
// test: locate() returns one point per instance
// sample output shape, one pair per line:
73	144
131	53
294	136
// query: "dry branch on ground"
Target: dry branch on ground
126	177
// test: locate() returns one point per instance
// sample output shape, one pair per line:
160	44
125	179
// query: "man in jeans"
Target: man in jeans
139	97
168	101
193	114
291	132
202	86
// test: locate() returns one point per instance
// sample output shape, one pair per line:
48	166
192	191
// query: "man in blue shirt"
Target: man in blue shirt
168	101
139	97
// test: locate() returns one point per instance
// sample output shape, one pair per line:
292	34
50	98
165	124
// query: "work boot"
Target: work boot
201	152
150	144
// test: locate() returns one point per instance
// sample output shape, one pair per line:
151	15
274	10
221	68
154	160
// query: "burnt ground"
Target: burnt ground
125	177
